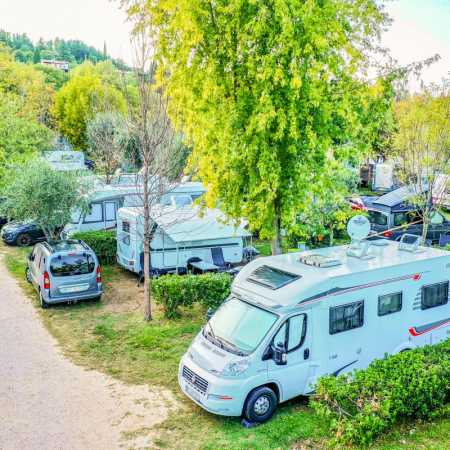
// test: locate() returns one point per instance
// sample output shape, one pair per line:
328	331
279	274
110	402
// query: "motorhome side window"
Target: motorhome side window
292	332
390	303
434	295
125	237
346	317
126	226
95	214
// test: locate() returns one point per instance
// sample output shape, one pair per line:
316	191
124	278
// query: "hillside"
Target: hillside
73	51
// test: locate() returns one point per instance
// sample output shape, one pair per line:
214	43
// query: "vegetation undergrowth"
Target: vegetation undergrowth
112	337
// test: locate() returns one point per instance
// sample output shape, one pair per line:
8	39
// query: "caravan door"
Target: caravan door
110	214
292	377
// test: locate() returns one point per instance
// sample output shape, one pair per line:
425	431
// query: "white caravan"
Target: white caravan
66	160
181	235
106	199
293	318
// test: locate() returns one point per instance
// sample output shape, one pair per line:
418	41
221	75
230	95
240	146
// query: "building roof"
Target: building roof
313	282
190	223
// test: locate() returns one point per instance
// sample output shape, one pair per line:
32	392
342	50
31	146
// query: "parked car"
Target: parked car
64	271
22	234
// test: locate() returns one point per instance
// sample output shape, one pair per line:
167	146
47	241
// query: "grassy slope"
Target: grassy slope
111	337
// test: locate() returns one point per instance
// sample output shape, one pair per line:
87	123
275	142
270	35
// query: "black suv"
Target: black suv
22	233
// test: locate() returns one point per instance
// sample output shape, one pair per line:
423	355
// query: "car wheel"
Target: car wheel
23	240
44	304
260	405
28	275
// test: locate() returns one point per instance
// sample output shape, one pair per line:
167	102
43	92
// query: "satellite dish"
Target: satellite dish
358	228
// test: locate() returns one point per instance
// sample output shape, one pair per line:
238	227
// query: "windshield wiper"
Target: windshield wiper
214	338
235	348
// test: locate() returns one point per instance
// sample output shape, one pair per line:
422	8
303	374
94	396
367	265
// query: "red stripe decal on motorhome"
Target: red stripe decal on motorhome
340	291
419	331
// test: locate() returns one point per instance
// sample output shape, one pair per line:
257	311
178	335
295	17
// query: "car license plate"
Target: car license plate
193	393
71	289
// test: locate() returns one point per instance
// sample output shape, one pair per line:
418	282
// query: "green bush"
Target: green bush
102	242
361	406
173	291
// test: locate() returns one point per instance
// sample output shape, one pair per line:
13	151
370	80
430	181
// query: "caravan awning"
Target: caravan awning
192	224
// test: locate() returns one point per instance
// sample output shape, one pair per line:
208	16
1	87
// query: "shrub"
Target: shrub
173	291
362	405
102	242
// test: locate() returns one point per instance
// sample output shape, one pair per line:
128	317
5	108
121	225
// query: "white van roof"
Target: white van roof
189	223
302	283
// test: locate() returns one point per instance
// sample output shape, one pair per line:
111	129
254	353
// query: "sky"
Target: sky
420	29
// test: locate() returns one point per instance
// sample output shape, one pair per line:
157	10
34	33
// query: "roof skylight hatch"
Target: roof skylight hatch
271	277
317	260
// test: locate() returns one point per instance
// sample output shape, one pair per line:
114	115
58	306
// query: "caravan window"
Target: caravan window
95	214
390	303
346	317
434	295
126	226
110	211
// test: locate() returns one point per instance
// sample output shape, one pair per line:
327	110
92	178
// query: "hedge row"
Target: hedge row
413	384
102	242
173	291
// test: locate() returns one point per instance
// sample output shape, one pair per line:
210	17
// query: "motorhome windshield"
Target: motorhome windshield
239	327
377	217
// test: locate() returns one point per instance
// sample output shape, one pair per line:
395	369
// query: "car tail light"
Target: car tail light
46	281
99	275
388	234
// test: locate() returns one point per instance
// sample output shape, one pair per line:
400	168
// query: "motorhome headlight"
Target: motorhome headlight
236	367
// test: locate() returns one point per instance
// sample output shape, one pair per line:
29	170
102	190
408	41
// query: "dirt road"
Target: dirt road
48	403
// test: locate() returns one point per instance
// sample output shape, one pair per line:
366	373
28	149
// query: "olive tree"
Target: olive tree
36	192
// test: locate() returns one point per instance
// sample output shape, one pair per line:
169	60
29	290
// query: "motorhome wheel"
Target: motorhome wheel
260	404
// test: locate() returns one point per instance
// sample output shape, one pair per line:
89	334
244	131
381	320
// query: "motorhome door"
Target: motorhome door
295	335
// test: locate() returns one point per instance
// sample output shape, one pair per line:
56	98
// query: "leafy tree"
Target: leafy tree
38	193
79	100
107	135
422	143
21	136
262	90
55	78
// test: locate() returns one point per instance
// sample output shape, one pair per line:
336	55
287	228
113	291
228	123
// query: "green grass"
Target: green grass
112	337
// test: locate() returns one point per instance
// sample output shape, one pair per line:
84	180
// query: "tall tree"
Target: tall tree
422	143
107	138
84	95
262	90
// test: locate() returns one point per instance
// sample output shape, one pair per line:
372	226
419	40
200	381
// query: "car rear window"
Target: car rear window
377	218
67	265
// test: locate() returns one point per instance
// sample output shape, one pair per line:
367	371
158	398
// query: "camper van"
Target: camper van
181	235
107	199
293	318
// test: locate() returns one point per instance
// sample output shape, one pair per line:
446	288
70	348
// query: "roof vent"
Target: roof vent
319	260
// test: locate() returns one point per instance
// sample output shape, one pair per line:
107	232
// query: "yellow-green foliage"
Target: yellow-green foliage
91	89
262	90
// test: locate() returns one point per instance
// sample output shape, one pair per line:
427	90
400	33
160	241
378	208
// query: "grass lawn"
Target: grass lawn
112	337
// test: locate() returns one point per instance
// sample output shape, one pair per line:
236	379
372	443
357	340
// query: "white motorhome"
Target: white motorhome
181	235
293	318
106	199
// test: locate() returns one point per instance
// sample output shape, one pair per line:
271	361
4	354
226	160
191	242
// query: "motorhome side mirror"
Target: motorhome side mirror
279	354
31	257
209	313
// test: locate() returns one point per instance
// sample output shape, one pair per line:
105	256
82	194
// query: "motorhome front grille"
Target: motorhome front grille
195	380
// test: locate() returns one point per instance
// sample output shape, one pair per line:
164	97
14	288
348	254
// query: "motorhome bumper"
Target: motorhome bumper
223	396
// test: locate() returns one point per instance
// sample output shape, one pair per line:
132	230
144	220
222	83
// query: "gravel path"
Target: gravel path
48	403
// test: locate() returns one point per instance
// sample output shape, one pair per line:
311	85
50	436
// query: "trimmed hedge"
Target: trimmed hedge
412	384
173	291
102	242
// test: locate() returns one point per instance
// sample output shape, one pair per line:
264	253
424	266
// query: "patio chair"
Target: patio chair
218	259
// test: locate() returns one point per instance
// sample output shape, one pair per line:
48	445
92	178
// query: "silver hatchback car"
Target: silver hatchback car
64	271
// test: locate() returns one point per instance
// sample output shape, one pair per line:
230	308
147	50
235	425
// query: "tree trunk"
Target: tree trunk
331	236
426	220
147	259
275	243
